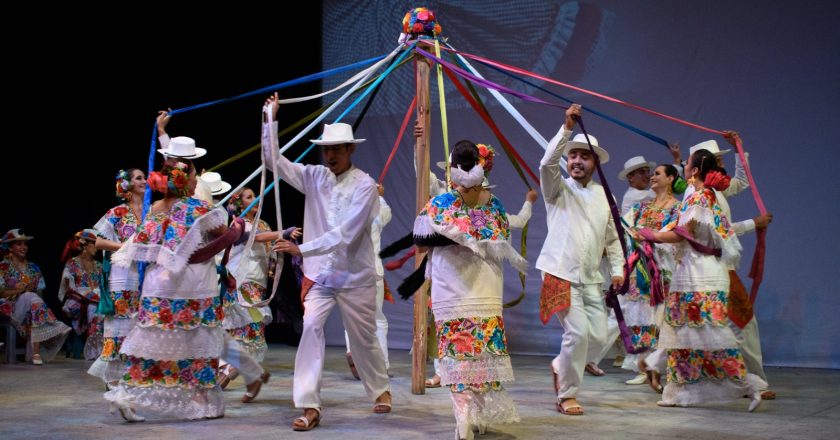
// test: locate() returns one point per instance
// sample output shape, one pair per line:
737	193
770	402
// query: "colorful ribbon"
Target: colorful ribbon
397	142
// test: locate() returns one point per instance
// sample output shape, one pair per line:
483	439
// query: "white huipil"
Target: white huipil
118	224
580	230
173	350
250	270
515	221
466	297
704	363
338	256
749	338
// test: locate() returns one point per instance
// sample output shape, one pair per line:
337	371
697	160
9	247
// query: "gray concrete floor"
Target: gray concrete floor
59	400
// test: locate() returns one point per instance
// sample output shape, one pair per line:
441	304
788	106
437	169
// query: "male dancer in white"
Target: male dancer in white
580	229
338	264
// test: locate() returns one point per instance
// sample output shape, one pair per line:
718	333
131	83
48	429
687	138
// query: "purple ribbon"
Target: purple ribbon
699	247
483	82
223	242
612	294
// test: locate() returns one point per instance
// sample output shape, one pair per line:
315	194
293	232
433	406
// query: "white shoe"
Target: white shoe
463	432
755	400
127	413
640	379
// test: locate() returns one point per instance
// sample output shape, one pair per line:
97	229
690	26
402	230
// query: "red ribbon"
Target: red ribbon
757	267
502	139
399	138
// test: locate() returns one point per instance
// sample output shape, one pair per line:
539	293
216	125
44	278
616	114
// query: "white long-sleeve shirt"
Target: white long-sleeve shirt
634	196
580	226
337	244
379	223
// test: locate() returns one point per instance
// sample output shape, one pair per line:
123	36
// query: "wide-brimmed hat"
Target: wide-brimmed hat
579	143
215	183
633	164
15	235
337	134
710	145
87	234
183	147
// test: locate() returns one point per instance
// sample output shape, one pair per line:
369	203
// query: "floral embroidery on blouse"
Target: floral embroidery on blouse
486	222
169	228
84	282
123	221
706	200
12	278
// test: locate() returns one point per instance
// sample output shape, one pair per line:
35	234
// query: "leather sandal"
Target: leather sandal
306	424
253	388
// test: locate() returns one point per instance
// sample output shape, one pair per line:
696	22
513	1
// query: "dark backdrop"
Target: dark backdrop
94	94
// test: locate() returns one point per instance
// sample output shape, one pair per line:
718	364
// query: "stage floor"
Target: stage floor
59	400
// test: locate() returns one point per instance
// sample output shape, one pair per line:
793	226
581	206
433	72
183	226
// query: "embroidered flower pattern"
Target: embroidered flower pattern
687	366
187	373
644	336
123	222
183	314
696	309
469	338
169	228
488	222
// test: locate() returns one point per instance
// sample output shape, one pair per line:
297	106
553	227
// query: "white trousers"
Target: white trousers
234	354
381	324
584	336
358	313
612	337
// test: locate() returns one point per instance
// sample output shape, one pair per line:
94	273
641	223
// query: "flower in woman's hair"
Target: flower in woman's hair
717	180
179	178
486	154
158	182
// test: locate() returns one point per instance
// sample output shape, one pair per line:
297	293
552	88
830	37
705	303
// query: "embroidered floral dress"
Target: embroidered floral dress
27	311
704	364
250	269
76	278
639	315
173	351
466	294
118	224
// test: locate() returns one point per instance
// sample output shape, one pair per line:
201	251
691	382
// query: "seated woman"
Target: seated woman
80	288
21	284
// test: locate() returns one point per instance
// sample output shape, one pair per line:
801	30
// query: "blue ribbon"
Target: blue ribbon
367	91
283	85
632	128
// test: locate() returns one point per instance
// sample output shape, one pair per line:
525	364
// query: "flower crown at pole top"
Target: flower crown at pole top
421	21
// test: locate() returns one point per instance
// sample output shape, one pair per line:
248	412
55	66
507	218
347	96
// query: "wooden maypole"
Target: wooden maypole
421	158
